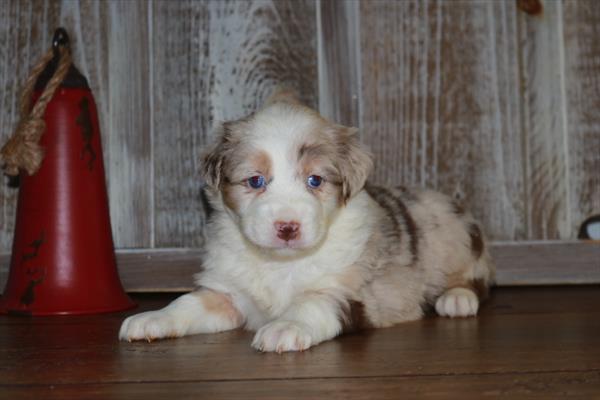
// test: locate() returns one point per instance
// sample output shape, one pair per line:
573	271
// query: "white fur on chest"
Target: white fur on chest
271	285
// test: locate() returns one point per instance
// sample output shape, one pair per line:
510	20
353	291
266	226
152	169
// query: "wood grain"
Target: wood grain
478	99
258	46
441	106
547	263
582	63
106	37
87	24
182	83
339	67
517	263
537	338
216	61
549	385
130	142
544	123
24	37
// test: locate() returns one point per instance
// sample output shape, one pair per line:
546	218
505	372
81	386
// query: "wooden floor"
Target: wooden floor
526	342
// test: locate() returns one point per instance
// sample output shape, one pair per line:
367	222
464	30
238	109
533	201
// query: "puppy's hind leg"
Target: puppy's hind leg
465	291
457	302
201	311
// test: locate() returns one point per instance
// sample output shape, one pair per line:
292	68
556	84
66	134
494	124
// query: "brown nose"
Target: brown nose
288	230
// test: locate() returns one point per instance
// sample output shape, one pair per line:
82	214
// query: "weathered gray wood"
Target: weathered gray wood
476	98
24	37
181	114
87	24
544	123
518	263
581	24
110	46
260	45
440	103
214	61
547	263
160	270
130	143
339	49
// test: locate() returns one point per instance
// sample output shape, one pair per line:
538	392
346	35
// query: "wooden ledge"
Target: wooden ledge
518	263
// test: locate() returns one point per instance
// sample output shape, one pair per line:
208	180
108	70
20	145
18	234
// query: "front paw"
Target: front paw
283	336
149	326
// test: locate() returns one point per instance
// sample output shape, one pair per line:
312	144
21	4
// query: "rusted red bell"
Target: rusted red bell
63	259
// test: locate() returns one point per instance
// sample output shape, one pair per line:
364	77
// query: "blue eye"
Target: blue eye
257	182
314	181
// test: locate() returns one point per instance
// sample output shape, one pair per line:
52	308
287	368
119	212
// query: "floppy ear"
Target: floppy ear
353	161
214	157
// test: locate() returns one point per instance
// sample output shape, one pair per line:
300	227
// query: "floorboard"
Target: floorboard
542	341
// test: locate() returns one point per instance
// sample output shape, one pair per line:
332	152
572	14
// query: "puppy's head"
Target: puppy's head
283	172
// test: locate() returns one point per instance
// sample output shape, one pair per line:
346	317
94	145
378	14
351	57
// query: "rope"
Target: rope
23	151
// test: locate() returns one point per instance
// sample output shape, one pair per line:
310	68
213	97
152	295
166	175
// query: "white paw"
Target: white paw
457	302
149	326
282	336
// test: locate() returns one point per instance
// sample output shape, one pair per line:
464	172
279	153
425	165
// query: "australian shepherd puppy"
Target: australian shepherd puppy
301	248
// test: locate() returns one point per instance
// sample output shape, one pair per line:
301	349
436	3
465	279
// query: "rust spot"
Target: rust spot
36	277
35	245
84	121
28	296
531	7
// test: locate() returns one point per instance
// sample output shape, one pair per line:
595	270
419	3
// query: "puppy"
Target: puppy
300	249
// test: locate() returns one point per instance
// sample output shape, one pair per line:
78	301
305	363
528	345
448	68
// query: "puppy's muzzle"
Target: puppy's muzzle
287	230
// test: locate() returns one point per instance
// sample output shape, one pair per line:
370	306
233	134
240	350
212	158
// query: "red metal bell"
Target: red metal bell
63	259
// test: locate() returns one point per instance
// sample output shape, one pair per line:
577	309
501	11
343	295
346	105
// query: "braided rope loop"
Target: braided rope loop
23	151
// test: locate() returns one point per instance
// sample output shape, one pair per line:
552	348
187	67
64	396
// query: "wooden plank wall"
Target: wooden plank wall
480	99
162	73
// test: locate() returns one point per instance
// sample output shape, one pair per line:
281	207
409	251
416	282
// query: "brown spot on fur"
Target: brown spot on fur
479	286
317	159
406	194
386	198
230	197
238	164
476	240
353	162
214	161
354	318
387	207
411	228
218	303
456	279
284	95
457	208
315	150
262	163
